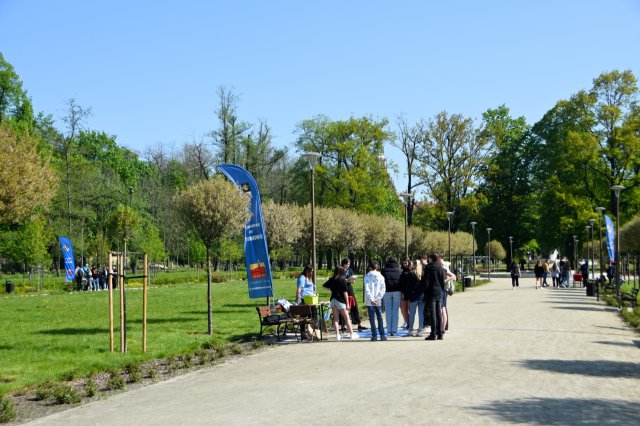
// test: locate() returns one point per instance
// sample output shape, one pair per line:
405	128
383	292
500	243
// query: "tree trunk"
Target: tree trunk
209	309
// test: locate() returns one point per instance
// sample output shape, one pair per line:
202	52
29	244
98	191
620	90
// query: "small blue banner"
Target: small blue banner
611	237
69	262
256	253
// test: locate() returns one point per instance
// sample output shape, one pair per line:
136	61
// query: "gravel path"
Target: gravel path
527	356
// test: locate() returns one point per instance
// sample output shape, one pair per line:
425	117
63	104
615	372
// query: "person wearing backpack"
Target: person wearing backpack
78	277
515	275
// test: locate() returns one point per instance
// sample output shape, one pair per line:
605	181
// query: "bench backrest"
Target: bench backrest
266	310
301	311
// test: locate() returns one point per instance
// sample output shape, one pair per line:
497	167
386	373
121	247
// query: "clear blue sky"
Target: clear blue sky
150	69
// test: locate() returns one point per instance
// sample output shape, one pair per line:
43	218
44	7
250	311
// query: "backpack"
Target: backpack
79	273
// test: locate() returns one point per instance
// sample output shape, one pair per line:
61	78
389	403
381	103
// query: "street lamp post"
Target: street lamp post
473	249
575	250
449	217
593	250
617	189
489	246
406	197
588	229
312	158
600	211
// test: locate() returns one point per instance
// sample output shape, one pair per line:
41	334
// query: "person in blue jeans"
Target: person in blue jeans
391	273
374	290
414	293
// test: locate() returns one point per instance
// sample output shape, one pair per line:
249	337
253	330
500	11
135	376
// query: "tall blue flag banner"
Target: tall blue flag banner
67	254
256	253
611	237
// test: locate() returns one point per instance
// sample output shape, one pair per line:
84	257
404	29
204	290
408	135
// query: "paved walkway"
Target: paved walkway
526	356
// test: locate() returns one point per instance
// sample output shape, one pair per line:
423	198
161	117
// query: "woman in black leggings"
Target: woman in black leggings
515	274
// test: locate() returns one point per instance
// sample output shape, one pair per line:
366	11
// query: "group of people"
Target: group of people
560	273
411	289
91	278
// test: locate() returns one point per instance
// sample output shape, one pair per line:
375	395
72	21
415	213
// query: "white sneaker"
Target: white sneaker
338	337
354	336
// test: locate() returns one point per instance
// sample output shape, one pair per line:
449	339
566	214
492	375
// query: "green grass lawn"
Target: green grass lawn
47	337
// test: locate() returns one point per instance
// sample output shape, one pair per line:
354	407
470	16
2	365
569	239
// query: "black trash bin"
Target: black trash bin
467	282
9	286
588	284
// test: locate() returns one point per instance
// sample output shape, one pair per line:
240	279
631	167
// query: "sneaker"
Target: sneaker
373	339
383	338
405	325
440	337
430	337
362	328
354	336
419	334
409	334
338	337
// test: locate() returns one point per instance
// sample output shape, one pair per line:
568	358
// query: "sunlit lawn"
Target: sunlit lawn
47	337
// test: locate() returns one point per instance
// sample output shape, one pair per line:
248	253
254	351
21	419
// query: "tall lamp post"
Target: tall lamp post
406	197
511	249
489	246
588	229
449	217
593	250
575	251
617	189
473	249
312	158
600	211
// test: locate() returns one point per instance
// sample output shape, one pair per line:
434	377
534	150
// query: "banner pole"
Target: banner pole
144	303
110	281
120	285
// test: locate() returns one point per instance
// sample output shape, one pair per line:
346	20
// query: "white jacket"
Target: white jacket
374	288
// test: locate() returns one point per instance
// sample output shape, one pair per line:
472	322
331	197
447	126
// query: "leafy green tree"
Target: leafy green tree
630	236
283	223
350	173
27	180
510	204
11	93
452	155
213	209
497	251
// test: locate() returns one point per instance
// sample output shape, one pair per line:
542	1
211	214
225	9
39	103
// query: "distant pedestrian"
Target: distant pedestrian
391	273
538	271
339	300
545	273
414	293
515	275
374	289
565	272
79	274
350	278
434	282
449	280
555	274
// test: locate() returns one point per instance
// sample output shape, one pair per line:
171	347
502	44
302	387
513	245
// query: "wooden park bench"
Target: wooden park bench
630	297
269	319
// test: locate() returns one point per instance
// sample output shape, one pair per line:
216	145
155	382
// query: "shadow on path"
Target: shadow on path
585	308
562	411
618	369
635	343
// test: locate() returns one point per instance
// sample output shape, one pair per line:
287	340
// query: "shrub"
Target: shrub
64	394
7	409
44	391
116	381
90	388
132	368
235	349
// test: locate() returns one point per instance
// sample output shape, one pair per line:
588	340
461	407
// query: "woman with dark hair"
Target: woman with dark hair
304	284
391	273
538	271
515	274
339	300
414	293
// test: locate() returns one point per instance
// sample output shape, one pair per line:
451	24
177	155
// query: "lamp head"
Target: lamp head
592	221
449	215
617	189
312	158
406	196
473	224
600	209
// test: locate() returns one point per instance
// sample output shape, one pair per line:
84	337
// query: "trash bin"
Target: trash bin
588	284
9	286
467	282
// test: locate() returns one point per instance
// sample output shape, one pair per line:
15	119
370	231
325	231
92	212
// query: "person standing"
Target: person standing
414	293
339	300
78	277
538	270
555	274
449	279
354	312
433	280
515	275
391	273
565	272
584	270
304	285
374	290
545	273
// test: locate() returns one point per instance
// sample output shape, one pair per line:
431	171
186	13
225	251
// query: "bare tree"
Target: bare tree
227	137
199	159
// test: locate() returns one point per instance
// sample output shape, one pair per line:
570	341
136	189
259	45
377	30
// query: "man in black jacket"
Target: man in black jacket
434	281
391	273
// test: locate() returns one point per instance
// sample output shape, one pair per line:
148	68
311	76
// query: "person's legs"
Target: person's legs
439	322
404	308
372	321
544	279
336	315
347	321
378	311
395	308
420	304
387	311
412	315
355	315
445	316
432	317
